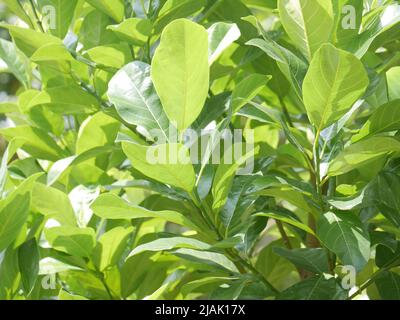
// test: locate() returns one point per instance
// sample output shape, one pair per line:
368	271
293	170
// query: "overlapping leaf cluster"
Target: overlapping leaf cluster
85	215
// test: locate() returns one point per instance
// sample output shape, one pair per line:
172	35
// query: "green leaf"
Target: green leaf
220	36
60	167
16	61
52	52
53	203
12	148
290	65
135	31
113	8
172	161
392	77
112	55
316	288
132	92
14	211
385	119
8	107
343	234
247	90
277	270
206	257
288	220
203	285
28	260
384	191
49	266
63	295
167	244
225	175
69	99
175	9
9	274
388	284
310	259
308	23
94	31
110	247
86	284
180	71
28	40
63	15
349	18
109	206
99	130
78	242
362	153
293	196
37	142
15	6
334	82
375	23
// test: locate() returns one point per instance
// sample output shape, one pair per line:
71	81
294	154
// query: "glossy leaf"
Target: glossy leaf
308	23
180	71
173	163
344	234
132	92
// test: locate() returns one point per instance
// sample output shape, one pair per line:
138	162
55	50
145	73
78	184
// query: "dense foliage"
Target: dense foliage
95	86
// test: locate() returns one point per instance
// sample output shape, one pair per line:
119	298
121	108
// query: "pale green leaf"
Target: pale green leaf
135	31
77	242
334	82
109	206
36	142
172	161
308	23
113	8
110	247
112	55
180	71
166	244
288	220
